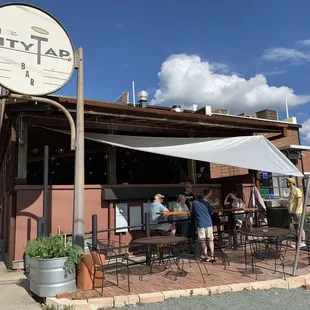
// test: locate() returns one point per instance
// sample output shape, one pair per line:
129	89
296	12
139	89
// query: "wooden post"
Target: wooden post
12	199
22	151
110	219
111	165
112	179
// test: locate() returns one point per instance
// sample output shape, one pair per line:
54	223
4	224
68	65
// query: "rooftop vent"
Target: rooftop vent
143	97
177	108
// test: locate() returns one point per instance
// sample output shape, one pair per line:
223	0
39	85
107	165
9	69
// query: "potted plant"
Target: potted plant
52	265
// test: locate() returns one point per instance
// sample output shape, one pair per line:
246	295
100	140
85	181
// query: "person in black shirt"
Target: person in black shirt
190	197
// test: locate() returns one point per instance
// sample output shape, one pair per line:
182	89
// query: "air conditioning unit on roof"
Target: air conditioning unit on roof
250	115
222	111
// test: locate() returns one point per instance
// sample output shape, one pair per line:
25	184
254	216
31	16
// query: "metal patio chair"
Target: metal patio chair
190	251
106	260
266	248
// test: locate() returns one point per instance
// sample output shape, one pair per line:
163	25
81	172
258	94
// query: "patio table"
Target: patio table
279	234
174	213
232	213
161	242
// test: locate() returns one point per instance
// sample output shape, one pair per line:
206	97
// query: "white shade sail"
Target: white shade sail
251	152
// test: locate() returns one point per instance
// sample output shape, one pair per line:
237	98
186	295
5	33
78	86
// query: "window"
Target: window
279	184
273	185
136	167
202	172
61	170
62	159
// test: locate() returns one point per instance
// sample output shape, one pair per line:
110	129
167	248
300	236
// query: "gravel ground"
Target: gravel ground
251	300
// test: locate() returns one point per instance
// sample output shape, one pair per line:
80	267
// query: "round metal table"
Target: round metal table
263	232
161	242
158	240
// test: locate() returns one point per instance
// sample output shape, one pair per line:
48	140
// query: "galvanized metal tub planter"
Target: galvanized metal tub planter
49	277
27	265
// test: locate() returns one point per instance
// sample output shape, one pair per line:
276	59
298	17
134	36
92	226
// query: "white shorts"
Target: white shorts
205	233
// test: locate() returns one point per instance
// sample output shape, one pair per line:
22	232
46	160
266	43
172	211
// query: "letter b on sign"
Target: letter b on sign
23	66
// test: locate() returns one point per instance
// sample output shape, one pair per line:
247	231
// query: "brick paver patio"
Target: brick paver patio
162	280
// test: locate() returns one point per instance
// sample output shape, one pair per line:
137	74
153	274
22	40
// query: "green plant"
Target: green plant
54	247
53	307
307	217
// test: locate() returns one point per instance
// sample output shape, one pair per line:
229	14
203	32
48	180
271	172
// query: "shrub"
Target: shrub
54	247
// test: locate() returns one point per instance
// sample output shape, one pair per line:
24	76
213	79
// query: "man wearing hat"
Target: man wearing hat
295	206
156	207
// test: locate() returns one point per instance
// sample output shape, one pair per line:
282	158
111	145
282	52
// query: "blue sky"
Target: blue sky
217	46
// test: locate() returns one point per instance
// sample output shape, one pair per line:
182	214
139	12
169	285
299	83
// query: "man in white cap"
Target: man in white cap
156	207
295	206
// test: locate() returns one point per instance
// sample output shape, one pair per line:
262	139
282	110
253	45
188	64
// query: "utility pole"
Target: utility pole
78	204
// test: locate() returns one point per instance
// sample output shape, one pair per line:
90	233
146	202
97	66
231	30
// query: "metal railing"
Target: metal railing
146	226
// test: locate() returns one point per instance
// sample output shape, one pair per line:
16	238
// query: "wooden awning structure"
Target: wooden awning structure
107	117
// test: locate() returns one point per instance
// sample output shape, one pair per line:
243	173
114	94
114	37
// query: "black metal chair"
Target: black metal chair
306	248
106	260
265	248
190	251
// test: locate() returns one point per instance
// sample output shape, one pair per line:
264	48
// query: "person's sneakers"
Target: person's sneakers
303	245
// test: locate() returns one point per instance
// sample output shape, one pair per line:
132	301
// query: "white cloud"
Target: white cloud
305	130
186	80
274	72
303	42
285	54
219	67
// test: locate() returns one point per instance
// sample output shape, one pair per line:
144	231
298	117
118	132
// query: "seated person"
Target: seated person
233	201
181	206
157	207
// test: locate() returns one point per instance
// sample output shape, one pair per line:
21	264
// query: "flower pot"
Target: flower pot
85	273
48	277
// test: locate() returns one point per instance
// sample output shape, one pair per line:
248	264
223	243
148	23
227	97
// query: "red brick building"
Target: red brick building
114	177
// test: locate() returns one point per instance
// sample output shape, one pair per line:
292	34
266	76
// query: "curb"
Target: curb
121	301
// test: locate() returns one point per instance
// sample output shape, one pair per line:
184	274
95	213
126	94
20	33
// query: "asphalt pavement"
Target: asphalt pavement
295	299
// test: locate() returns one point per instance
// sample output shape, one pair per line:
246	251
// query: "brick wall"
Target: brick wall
306	160
220	171
291	138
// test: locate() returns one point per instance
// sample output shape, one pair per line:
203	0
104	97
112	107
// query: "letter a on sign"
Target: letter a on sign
43	48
